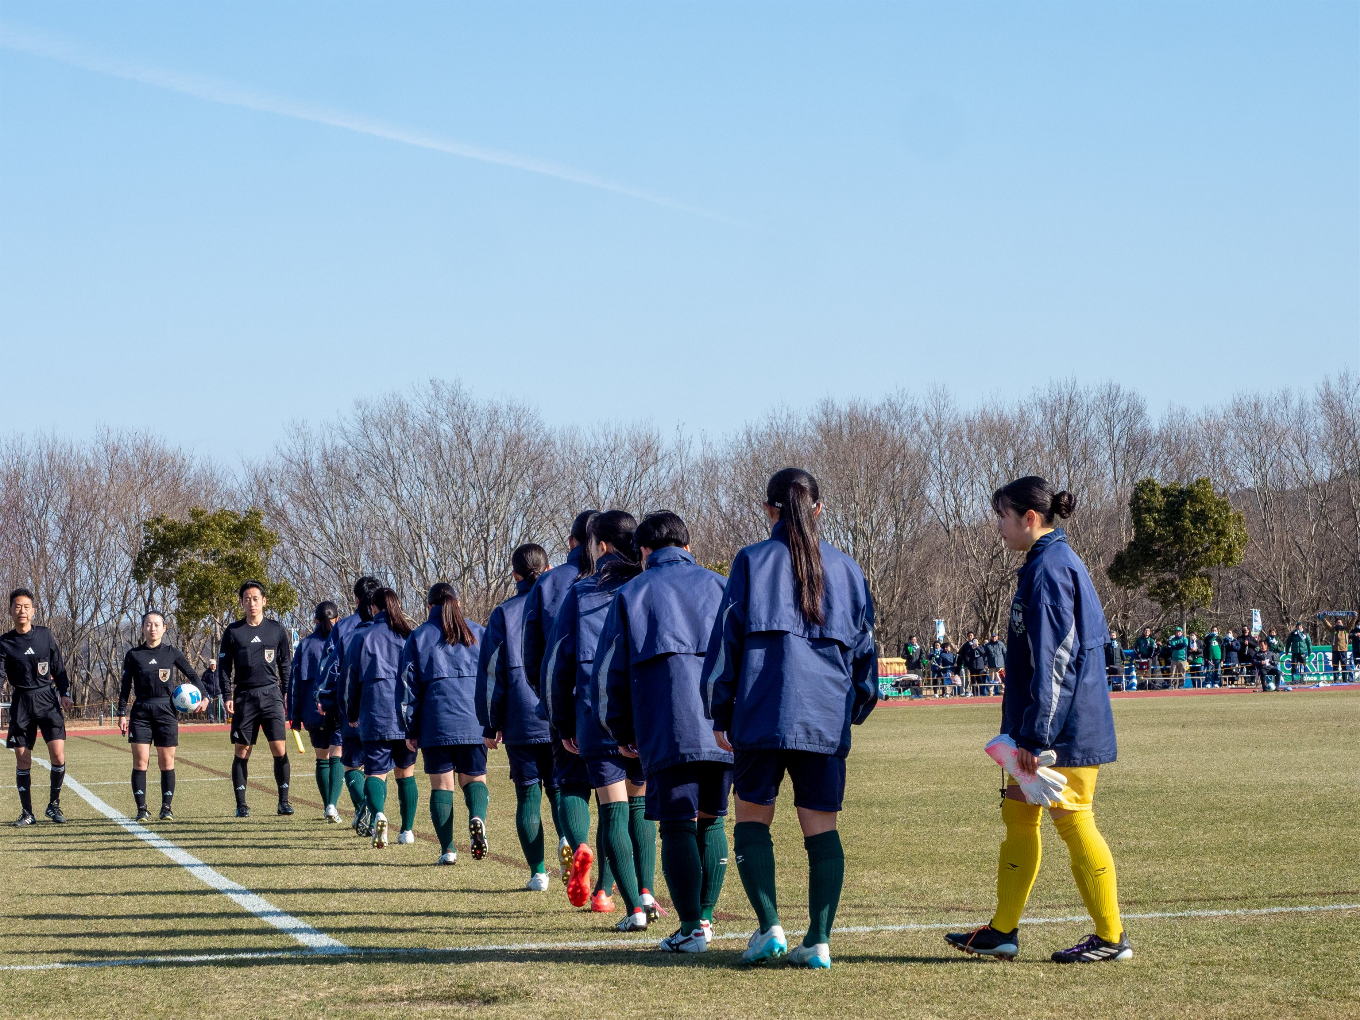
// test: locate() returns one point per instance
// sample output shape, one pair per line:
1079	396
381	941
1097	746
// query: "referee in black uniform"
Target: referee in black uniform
39	697
149	675
253	662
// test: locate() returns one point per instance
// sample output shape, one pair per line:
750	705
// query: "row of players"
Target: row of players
633	671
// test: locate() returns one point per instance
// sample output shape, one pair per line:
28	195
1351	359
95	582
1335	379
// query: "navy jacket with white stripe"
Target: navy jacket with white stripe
540	610
375	696
506	704
304	679
1056	693
439	685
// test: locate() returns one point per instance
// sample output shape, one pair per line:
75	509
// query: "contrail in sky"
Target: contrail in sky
229	94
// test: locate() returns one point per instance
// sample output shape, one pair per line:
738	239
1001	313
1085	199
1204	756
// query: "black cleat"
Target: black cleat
986	941
1094	949
54	813
25	819
477	833
285	808
242	811
143	815
166	814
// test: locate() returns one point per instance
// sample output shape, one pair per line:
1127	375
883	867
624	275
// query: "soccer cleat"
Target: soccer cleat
636	921
358	817
564	855
380	832
285	808
477	833
406	837
694	942
54	812
332	815
816	957
243	812
166	814
26	818
365	826
1094	949
765	945
707	927
538	882
650	905
578	885
143	815
601	902
448	857
986	941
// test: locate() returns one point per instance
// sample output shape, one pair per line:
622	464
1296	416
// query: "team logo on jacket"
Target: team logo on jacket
165	675
1017	617
269	655
42	669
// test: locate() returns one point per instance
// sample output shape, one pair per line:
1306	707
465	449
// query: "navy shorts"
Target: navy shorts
818	779
614	769
530	764
681	792
325	736
465	759
382	756
351	749
568	769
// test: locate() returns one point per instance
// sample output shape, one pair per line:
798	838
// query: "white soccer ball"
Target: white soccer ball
187	697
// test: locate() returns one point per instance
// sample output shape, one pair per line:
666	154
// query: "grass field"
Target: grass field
1217	804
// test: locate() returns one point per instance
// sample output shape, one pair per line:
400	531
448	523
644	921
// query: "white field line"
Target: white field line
520	947
315	941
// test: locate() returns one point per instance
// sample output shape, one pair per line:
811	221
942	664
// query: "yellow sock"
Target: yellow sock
1018	864
1093	868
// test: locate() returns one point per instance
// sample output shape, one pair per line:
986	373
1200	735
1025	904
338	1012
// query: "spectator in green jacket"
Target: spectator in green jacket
1213	658
1195	655
1145	651
1298	647
1178	647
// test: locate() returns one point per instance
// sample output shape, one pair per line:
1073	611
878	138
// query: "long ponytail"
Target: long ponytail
616	527
451	619
796	495
389	602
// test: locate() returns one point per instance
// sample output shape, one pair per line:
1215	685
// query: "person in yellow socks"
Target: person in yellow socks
1055	712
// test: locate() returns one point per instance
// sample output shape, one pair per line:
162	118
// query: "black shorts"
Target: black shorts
255	709
465	759
614	769
682	791
153	721
818	779
324	736
530	764
34	710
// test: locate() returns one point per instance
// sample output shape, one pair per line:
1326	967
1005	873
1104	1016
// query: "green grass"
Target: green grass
1217	803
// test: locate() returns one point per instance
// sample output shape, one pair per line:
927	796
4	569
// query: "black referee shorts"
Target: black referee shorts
153	721
34	710
255	709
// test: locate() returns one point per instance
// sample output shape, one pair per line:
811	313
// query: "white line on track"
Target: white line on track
521	947
315	941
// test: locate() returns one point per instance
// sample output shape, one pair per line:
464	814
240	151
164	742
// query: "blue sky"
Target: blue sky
216	218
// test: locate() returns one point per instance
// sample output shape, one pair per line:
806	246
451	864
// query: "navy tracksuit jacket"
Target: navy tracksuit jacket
540	610
330	688
305	678
506	704
1056	694
772	680
439	683
650	666
374	693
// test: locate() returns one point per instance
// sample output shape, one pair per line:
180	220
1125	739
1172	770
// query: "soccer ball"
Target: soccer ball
187	697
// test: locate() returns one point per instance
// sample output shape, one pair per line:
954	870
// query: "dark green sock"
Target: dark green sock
408	794
643	833
375	793
354	779
323	777
441	816
604	876
684	870
337	780
618	848
755	864
555	802
529	824
574	806
712	841
476	797
826	874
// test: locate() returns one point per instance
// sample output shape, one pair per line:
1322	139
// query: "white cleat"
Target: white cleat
380	832
406	837
332	815
707	928
636	921
766	945
694	942
816	957
538	882
448	858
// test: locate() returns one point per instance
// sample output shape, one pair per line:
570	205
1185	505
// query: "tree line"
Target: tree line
438	484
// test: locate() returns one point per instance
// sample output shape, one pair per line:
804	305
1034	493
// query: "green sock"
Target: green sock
643	833
408	794
529	824
574	806
375	793
712	842
441	816
354	779
826	874
555	802
684	870
476	797
618	847
323	777
604	876
755	864
336	782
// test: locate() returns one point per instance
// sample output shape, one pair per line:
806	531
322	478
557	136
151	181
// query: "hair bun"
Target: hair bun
1064	503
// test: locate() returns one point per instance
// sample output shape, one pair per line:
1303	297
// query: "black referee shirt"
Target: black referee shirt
252	657
33	661
150	673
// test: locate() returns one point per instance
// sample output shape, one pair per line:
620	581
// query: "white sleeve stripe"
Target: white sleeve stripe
1060	660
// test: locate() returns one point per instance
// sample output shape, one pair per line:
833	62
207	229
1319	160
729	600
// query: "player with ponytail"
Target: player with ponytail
790	667
1056	727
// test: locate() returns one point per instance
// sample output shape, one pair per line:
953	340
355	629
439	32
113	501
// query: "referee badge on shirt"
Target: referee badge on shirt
165	675
269	655
42	669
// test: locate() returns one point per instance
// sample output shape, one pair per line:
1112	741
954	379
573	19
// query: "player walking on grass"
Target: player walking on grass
790	667
148	674
439	680
651	667
626	837
507	708
374	701
254	661
305	713
1056	710
330	697
39	699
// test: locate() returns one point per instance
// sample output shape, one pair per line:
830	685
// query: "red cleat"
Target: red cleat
578	885
601	903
